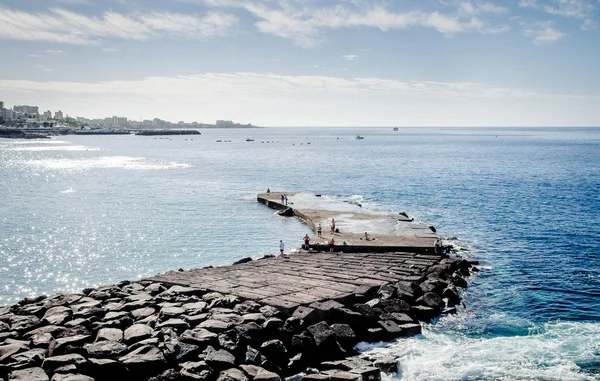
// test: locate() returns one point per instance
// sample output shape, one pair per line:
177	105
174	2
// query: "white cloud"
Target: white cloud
480	7
64	26
305	22
543	33
350	57
589	24
579	9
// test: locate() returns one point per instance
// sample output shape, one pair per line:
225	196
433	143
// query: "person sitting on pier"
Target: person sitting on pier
268	190
306	241
319	231
331	245
367	236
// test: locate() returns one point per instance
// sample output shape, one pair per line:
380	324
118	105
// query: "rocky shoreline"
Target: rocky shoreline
148	330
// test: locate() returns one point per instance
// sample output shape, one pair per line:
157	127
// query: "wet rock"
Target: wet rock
137	332
22	323
395	305
106	349
54	362
365	310
29	374
423	313
220	359
323	335
232	374
199	336
387	365
243	260
58	346
451	295
457	280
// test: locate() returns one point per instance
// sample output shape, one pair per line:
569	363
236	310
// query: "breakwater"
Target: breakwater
295	317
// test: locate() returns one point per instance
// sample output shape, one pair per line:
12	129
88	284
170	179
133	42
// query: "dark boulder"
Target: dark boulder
243	260
29	374
220	359
199	336
232	374
106	349
345	335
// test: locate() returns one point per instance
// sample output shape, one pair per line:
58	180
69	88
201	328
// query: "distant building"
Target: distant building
1	105
48	114
7	114
29	110
58	115
224	123
120	121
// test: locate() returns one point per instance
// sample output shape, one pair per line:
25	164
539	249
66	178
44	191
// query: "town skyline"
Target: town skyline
314	63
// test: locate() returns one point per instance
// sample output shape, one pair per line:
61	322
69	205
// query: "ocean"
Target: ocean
79	211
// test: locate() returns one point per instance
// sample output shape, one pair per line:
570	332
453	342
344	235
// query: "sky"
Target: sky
307	62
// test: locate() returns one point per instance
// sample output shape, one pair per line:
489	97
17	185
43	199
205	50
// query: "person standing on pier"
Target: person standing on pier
331	245
306	241
282	198
281	247
332	226
319	231
286	202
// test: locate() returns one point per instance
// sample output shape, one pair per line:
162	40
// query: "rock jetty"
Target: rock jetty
297	317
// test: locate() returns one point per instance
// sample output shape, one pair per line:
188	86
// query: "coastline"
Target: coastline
191	325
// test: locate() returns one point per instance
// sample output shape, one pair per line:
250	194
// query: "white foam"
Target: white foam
57	148
553	351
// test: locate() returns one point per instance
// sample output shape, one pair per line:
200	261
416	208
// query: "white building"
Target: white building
7	114
58	115
28	110
1	105
224	123
48	114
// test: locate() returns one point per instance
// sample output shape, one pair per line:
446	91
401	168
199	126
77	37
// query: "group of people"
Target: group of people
284	199
306	245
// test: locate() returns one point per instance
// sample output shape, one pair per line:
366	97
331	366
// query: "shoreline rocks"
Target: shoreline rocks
146	330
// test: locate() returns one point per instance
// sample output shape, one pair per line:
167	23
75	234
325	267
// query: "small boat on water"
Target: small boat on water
359	137
249	140
395	129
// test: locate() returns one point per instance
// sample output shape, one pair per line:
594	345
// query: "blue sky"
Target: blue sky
307	63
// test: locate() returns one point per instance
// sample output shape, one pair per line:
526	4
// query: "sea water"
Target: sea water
79	211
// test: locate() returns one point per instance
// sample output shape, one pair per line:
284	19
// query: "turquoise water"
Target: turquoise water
87	210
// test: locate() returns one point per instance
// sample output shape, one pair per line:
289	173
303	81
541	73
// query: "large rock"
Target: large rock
345	335
321	333
106	349
170	312
199	336
23	323
54	362
10	349
215	326
29	374
232	374
180	290
308	315
275	351
106	369
58	346
27	359
220	359
194	308
109	334
325	309
177	324
145	360
57	315
137	332
142	313
265	375
431	300
71	377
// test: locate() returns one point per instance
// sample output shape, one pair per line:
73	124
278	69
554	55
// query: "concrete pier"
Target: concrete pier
296	317
352	222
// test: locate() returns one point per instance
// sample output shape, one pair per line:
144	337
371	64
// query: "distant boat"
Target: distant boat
395	129
249	140
359	137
